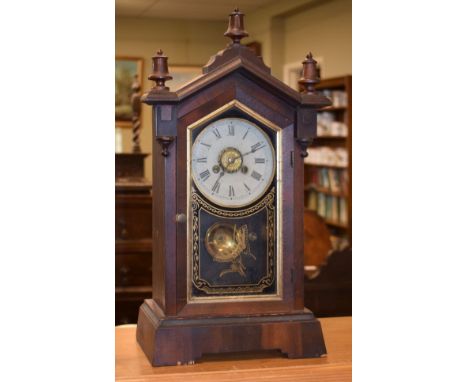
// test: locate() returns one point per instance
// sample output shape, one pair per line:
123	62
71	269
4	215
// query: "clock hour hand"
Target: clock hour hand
216	184
219	177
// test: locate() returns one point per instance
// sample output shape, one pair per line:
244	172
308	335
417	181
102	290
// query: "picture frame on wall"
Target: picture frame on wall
127	70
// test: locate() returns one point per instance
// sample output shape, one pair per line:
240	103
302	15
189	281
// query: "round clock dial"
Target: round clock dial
233	162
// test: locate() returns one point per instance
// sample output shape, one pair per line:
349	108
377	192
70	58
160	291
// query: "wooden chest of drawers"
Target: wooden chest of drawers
133	230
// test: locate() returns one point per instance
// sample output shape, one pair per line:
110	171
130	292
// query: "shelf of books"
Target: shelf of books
327	172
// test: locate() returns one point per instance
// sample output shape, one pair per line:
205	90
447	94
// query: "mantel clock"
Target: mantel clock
228	152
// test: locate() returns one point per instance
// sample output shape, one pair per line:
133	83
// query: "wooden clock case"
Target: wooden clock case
171	329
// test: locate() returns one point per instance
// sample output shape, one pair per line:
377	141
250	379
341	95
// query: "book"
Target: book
315	178
312	201
343	211
321	204
329	208
325	181
344	181
338	129
334	214
335	179
327	156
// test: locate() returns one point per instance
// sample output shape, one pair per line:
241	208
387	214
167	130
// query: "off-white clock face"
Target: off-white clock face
233	162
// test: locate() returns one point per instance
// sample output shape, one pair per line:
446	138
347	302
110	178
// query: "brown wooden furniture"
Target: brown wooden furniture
133	244
329	292
341	113
187	316
328	280
131	363
133	224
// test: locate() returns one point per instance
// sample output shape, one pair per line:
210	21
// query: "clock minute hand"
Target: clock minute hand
253	150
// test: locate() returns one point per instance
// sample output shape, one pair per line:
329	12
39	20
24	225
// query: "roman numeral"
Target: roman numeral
216	133
245	134
205	175
203	160
231	191
256	146
216	186
205	144
231	130
259	160
255	175
247	187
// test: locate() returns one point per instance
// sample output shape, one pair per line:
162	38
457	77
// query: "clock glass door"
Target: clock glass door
233	194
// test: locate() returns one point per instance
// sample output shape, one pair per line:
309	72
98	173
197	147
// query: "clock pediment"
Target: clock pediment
253	72
238	59
238	86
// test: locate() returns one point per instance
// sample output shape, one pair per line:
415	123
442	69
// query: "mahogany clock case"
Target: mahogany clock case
172	327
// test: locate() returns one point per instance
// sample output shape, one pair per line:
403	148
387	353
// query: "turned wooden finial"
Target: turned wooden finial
235	29
136	110
309	75
160	71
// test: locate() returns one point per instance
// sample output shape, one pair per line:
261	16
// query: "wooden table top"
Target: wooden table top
132	365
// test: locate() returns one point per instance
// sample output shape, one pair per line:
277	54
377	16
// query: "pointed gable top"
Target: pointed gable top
236	57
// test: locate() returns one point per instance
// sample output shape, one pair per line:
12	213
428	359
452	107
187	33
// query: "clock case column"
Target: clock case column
171	330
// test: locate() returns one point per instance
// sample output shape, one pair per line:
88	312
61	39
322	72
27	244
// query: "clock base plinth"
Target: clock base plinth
173	341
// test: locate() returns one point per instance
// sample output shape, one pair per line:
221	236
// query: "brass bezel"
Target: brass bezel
279	209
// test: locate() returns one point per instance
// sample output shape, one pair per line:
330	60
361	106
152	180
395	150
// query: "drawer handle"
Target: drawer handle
123	233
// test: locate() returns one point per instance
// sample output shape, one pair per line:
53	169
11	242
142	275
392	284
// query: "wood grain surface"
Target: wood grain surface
132	365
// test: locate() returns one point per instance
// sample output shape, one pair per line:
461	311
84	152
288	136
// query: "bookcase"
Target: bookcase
327	168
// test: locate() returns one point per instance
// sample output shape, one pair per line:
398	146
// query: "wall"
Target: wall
288	30
184	42
326	31
266	25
